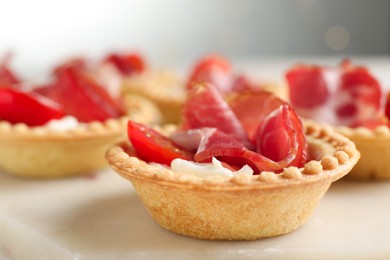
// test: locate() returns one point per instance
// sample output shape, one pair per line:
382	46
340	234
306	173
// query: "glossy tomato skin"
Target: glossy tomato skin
152	146
127	64
29	108
82	97
213	69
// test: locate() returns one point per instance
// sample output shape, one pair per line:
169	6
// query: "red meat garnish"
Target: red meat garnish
29	108
280	137
308	86
213	69
387	106
84	98
348	95
251	107
205	107
7	76
127	64
213	130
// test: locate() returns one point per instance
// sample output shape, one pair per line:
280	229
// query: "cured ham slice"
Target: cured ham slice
190	139
127	64
227	149
205	107
251	107
83	98
281	138
213	69
347	95
7	76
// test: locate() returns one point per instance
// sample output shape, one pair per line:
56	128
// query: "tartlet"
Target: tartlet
241	207
348	98
41	152
374	146
164	87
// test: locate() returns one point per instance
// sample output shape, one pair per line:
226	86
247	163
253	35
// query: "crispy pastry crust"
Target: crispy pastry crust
164	88
40	152
241	207
374	146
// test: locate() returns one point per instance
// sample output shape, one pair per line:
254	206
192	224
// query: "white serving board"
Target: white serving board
101	217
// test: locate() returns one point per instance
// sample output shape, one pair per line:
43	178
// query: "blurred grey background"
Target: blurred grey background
169	32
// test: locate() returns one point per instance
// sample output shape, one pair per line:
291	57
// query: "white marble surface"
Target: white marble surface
101	217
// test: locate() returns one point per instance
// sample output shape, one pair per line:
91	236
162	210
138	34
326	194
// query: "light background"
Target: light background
171	32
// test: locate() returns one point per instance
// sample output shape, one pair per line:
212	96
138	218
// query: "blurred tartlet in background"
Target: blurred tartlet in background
63	127
350	99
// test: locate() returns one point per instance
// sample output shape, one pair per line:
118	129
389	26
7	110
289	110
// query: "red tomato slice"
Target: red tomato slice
151	146
28	108
205	107
127	64
213	69
83	98
280	137
251	107
307	86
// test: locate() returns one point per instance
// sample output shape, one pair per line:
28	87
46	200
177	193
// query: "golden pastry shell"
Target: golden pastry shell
241	207
163	87
374	146
41	152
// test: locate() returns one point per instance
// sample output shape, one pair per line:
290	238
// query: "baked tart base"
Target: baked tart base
241	207
374	146
41	152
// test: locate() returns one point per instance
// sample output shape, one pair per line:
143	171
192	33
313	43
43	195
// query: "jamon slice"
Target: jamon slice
251	107
151	146
347	95
127	64
308	86
387	106
7	76
205	107
83	98
28	108
190	139
242	83
213	69
227	149
280	137
361	94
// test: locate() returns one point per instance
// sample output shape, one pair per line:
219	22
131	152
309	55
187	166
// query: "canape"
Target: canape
350	99
224	174
65	127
